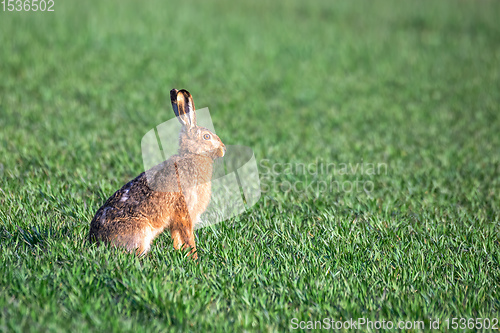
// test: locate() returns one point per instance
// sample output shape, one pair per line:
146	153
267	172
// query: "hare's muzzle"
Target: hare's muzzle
222	151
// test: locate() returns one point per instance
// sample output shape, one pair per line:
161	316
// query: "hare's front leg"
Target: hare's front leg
183	234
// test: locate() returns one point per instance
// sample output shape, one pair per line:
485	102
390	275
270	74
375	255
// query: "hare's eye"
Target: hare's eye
206	136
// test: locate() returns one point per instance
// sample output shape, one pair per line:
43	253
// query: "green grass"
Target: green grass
412	85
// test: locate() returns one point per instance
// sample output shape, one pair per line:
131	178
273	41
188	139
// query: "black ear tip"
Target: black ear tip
185	93
173	95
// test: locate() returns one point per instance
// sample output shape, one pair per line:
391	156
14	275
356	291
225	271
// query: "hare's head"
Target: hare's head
194	139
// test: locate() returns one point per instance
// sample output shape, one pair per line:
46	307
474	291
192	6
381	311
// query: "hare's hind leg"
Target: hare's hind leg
144	245
136	242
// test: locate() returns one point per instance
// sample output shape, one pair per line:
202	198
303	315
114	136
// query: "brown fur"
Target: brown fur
172	195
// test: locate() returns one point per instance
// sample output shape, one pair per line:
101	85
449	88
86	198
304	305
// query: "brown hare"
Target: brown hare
171	195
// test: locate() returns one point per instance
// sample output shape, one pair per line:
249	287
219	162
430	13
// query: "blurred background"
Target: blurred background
379	81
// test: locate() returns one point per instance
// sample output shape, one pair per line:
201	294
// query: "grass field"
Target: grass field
410	87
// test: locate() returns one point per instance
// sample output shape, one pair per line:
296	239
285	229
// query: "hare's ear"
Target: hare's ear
183	106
